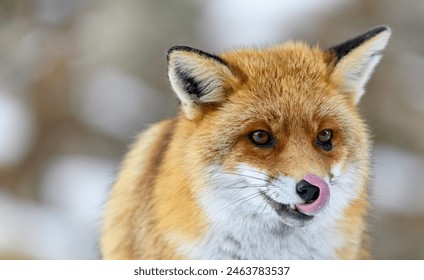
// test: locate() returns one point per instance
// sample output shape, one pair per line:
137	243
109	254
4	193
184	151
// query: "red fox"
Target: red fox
268	158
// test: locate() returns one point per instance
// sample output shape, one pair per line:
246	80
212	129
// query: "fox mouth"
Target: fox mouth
288	214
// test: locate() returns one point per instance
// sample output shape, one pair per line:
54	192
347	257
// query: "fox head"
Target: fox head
276	131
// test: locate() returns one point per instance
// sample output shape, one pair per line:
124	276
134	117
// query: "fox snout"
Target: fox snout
308	192
315	192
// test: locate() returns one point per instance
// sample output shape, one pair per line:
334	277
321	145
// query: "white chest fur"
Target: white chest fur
239	239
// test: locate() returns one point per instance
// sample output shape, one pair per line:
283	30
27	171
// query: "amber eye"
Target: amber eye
324	139
261	138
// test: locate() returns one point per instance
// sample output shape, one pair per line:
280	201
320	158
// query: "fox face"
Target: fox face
278	128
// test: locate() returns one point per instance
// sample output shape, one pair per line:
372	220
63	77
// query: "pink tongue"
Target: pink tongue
319	204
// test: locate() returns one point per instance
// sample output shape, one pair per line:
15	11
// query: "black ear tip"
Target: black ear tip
344	48
178	48
196	52
181	48
378	30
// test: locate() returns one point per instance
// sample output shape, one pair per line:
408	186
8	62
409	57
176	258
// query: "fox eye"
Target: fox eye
324	139
261	138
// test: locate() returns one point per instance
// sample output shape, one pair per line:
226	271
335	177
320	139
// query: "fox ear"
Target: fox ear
356	60
198	78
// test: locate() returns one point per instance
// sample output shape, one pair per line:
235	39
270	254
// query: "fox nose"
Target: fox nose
307	191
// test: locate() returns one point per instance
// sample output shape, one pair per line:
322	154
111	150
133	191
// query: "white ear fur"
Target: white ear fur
197	78
357	59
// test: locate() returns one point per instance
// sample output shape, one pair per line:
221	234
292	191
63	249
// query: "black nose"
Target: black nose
307	191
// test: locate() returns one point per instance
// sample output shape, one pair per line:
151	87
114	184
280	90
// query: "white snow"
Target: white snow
40	232
73	191
16	129
77	185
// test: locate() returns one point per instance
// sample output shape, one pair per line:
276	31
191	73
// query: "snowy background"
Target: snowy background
79	79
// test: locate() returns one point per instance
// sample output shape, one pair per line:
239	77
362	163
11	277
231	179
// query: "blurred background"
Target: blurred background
80	78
